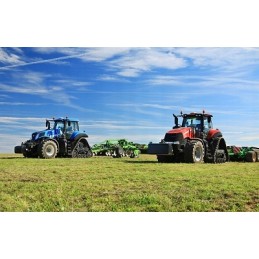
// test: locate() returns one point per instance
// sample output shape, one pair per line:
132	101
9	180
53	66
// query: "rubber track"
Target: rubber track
215	159
77	154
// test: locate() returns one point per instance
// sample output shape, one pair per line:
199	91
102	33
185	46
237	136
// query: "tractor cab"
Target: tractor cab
200	122
63	126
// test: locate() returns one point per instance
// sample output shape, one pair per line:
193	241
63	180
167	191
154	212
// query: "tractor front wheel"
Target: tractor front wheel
47	149
194	152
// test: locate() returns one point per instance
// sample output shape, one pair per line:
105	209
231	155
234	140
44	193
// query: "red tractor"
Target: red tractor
195	141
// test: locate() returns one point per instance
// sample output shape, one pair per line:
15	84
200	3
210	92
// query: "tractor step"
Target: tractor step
69	148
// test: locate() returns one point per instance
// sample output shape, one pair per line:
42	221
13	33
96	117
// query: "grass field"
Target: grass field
140	184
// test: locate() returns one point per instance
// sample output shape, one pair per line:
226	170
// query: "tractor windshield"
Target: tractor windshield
59	125
196	122
192	122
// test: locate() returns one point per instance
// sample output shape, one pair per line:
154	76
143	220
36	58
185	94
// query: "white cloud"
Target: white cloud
85	54
129	72
133	108
4	96
20	103
24	125
101	54
8	57
32	77
59	96
41	61
69	82
18	50
224	58
34	83
131	62
24	89
13	120
128	62
139	60
160	106
250	137
8	143
166	80
149	105
112	78
112	126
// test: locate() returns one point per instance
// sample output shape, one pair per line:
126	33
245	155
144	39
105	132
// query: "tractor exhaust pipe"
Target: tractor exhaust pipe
175	120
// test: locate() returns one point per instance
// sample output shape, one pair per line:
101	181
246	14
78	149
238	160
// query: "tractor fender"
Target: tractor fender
76	135
81	137
214	133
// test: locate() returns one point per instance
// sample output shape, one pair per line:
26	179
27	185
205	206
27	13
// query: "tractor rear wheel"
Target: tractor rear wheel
220	156
219	152
251	156
193	152
47	149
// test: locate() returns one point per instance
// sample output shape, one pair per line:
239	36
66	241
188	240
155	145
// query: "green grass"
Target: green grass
107	184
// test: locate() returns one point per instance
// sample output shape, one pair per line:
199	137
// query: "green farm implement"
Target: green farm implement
116	148
142	147
248	154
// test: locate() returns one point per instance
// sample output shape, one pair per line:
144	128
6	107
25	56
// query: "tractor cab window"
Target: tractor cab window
192	122
50	124
73	126
59	125
207	123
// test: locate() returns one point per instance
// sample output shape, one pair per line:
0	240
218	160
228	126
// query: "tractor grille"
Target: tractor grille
173	137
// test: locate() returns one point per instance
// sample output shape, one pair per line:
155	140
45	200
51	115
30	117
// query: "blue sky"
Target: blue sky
128	92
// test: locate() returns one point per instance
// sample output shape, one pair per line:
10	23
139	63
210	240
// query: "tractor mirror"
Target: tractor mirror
69	123
47	124
209	119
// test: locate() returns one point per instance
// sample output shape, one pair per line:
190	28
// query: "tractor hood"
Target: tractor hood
46	133
185	131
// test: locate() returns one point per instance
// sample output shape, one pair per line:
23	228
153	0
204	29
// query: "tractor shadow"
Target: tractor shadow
11	157
139	162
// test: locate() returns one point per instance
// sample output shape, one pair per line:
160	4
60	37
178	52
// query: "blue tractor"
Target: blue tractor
62	138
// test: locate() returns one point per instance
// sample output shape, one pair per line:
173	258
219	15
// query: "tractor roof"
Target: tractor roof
197	114
63	119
